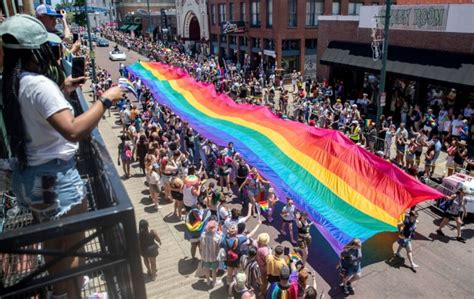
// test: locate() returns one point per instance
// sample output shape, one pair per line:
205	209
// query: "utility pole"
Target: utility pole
149	17
91	49
383	72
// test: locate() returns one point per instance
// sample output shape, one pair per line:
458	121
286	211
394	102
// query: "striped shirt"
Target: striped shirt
210	246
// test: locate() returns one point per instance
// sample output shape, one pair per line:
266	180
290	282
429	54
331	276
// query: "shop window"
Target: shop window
243	41
269	44
231	11
255	11
292	13
290	44
256	43
222	17
314	8
232	40
269	13
243	12
311	44
336	7
223	38
354	8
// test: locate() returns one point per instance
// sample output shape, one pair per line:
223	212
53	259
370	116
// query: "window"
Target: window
255	11
256	43
290	44
311	44
223	38
336	7
243	12
231	11
269	44
292	10
222	13
243	41
269	13
354	8
213	14
232	40
214	38
314	8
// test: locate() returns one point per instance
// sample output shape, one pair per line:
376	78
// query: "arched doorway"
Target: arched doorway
194	29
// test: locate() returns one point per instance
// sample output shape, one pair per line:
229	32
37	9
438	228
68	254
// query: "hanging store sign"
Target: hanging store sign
417	17
233	27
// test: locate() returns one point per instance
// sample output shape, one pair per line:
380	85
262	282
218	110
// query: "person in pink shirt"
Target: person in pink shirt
262	252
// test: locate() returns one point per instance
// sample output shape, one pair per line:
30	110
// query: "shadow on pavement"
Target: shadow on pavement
171	218
187	266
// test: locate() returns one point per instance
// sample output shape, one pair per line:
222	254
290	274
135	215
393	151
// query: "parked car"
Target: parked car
102	42
116	55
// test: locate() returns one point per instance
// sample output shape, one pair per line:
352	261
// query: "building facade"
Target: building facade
430	47
126	7
281	34
193	23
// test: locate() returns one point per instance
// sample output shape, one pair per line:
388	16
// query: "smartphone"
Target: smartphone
286	251
75	37
78	66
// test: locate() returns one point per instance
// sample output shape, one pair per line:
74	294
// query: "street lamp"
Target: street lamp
91	49
383	72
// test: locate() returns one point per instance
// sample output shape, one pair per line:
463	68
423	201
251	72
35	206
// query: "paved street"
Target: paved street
445	264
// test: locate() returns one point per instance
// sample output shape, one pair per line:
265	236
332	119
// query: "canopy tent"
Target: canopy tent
347	191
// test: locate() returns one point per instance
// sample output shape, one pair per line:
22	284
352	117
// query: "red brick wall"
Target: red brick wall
349	31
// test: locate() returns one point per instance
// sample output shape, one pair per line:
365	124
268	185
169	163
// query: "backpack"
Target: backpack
232	254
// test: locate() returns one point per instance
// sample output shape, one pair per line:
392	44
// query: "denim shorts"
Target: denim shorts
56	186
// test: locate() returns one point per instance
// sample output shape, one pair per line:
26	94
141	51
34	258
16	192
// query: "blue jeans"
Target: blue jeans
49	190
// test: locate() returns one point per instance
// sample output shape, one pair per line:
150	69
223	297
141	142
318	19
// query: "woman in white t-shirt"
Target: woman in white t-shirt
43	131
288	217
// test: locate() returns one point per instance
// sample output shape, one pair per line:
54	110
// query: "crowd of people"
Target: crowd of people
210	186
412	137
181	164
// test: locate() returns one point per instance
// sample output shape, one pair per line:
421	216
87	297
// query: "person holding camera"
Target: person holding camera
44	133
304	236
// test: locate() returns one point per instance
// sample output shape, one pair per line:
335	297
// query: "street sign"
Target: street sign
383	97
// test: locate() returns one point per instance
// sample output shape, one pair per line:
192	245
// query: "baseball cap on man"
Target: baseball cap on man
47	10
25	32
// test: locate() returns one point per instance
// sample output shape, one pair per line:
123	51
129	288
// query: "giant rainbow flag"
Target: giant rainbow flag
347	191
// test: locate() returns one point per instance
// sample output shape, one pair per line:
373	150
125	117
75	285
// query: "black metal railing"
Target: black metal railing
109	252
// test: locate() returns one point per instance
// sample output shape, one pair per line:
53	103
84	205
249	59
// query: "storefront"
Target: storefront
426	57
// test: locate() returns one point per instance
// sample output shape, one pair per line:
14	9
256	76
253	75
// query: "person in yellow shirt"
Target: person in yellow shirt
354	134
274	263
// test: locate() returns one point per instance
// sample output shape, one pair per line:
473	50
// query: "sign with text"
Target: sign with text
417	17
231	27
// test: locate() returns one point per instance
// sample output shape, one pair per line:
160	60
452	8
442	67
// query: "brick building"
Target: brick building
281	33
431	46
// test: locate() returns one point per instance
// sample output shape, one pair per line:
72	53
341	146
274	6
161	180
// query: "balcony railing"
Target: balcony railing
110	251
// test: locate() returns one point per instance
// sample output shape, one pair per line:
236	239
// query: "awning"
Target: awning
124	27
441	66
133	27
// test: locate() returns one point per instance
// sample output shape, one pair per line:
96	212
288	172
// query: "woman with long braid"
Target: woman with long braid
44	133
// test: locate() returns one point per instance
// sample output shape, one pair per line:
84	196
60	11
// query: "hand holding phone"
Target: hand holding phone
78	67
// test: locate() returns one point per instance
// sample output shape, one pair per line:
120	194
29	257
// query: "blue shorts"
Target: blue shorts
49	190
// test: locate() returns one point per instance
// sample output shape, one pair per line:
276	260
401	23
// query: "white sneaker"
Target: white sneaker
414	265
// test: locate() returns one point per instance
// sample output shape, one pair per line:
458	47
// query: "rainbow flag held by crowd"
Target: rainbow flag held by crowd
347	191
